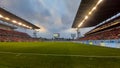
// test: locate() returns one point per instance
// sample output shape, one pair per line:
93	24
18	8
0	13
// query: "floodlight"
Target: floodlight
81	23
86	17
20	23
1	16
93	9
14	21
90	13
7	18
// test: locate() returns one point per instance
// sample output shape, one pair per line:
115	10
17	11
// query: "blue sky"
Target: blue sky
53	16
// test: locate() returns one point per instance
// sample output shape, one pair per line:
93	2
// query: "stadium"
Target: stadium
106	30
98	48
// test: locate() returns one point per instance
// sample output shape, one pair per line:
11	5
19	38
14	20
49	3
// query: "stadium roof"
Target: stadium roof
104	10
13	19
112	23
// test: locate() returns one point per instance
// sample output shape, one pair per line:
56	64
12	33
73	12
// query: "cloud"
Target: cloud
53	16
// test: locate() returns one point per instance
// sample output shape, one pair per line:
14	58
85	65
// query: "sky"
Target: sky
52	16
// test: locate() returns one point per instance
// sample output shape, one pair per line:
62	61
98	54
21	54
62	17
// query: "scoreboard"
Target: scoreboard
56	35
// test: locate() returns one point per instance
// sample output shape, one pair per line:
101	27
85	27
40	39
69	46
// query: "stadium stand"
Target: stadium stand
14	36
107	34
104	35
104	15
7	31
107	31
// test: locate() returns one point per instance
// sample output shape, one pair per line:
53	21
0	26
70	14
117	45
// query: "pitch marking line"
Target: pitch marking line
59	55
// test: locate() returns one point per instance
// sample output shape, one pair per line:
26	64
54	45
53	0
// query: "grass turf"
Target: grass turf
8	60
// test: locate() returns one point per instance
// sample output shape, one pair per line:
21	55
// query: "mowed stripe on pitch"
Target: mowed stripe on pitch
59	55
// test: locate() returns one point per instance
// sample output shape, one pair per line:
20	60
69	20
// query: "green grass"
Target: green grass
8	60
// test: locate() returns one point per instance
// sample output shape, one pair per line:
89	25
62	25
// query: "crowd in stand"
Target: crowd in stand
103	35
14	36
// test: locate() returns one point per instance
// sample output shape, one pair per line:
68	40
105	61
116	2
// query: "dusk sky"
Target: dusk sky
53	16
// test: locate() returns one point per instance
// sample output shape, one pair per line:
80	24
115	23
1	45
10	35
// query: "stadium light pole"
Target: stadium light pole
35	33
78	32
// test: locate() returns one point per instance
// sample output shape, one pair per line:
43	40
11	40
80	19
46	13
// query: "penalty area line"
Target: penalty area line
59	55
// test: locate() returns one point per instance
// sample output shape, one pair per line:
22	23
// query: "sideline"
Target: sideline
58	55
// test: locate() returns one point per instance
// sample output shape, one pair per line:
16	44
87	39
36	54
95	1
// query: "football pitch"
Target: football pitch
57	55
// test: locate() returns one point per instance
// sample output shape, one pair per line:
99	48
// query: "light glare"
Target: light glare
7	18
14	21
1	16
94	8
90	13
20	23
86	17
